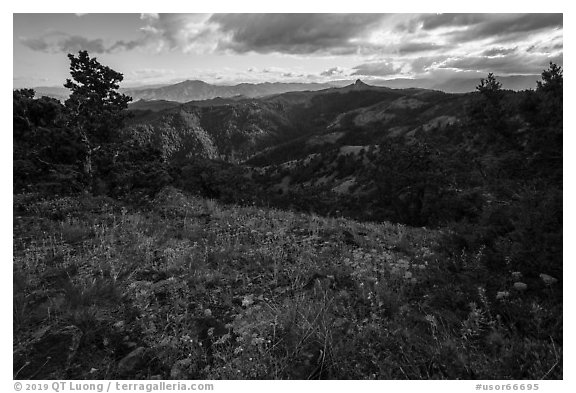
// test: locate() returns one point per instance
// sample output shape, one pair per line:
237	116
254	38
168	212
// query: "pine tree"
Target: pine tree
95	108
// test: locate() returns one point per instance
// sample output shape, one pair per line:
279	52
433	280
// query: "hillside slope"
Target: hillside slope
189	289
242	129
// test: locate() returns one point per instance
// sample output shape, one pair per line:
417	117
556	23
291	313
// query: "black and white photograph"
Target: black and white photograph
287	196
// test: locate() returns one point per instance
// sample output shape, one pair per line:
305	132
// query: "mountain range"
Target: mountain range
291	125
298	141
196	90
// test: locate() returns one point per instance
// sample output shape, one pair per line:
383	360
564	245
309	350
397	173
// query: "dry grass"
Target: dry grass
215	291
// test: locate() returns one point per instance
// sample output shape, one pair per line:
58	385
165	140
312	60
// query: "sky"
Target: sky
235	48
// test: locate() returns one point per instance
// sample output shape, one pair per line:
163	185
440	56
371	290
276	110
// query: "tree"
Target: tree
45	150
95	108
490	88
551	90
552	80
488	112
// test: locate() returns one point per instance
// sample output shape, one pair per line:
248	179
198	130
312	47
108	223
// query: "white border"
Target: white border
109	6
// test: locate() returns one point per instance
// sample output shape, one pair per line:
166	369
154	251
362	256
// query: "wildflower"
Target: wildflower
548	280
516	275
248	300
520	286
431	319
502	295
408	275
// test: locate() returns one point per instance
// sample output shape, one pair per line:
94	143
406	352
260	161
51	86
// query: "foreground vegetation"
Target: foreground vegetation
188	288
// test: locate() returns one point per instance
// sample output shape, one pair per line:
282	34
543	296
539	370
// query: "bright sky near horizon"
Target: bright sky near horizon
235	48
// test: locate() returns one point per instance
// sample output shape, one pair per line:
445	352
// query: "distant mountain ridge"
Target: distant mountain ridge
196	90
459	85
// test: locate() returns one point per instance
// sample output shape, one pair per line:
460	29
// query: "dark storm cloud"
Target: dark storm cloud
64	43
294	33
434	21
504	26
382	68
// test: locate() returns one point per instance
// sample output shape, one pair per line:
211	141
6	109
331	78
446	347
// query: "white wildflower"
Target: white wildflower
548	280
520	286
502	295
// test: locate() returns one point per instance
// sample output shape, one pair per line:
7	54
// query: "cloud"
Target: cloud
435	21
124	45
413	47
184	32
423	64
65	43
334	71
148	73
430	22
550	46
149	17
499	51
382	68
294	33
60	42
515	63
380	44
504	27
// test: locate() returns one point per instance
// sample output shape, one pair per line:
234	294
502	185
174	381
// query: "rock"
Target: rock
181	369
548	280
520	286
502	295
132	362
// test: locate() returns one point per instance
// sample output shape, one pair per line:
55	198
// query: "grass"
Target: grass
211	291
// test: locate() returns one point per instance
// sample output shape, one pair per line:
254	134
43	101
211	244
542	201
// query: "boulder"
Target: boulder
132	362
